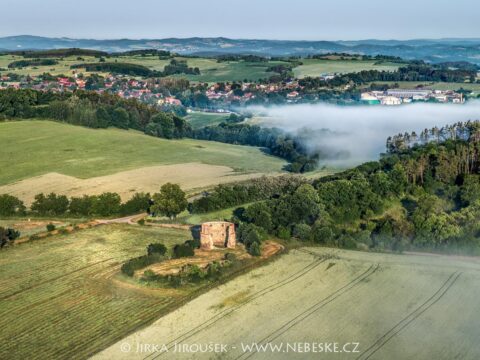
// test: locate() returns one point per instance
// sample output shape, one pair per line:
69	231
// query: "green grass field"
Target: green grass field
210	69
433	85
317	67
32	148
199	119
61	297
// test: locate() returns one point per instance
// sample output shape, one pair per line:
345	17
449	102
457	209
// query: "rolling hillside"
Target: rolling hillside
47	156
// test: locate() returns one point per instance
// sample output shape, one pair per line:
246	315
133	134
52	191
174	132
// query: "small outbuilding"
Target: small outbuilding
217	234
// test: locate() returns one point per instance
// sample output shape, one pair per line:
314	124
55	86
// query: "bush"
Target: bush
8	236
10	205
52	204
50	227
230	257
140	202
254	249
283	233
302	232
140	262
141	222
183	250
156	249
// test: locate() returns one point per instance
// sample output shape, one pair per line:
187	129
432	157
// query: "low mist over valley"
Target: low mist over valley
349	135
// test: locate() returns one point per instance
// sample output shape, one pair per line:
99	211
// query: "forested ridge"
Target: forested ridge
425	198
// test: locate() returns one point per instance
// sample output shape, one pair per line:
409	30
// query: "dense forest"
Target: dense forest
426	197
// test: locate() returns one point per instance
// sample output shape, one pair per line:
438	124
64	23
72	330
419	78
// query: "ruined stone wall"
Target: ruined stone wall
219	234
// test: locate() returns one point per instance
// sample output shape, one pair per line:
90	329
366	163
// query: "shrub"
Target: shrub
8	236
156	249
183	250
283	233
230	257
254	249
10	205
141	222
140	262
140	202
50	227
302	232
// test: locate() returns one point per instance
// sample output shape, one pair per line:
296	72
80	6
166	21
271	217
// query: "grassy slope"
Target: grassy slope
316	67
31	148
67	303
201	119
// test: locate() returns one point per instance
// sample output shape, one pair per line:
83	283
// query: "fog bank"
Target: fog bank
358	133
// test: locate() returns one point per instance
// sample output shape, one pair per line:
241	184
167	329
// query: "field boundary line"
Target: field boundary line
314	308
402	324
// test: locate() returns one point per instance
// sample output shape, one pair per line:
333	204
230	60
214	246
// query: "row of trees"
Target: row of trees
170	201
278	143
106	204
93	110
415	71
174	67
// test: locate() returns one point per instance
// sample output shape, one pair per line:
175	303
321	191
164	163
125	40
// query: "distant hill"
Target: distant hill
434	50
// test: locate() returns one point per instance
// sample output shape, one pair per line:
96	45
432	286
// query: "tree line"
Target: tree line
105	205
415	71
174	67
91	109
275	140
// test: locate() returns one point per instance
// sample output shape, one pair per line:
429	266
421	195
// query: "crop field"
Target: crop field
29	227
434	85
119	160
317	67
60	296
393	306
62	68
210	69
199	119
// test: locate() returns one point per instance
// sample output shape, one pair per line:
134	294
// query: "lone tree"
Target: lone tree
170	202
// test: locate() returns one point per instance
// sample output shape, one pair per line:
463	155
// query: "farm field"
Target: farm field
434	85
60	297
394	306
210	69
198	119
62	68
125	161
317	67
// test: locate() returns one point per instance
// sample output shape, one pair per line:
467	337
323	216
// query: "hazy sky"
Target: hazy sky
266	19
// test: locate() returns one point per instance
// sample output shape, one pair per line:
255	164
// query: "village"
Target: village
181	96
400	96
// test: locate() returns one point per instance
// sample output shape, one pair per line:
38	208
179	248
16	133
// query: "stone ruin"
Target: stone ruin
217	234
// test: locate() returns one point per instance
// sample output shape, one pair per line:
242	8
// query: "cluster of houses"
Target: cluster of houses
122	86
247	91
400	96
